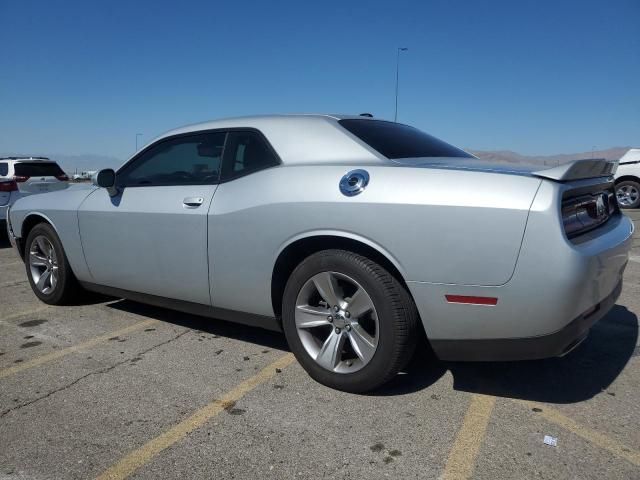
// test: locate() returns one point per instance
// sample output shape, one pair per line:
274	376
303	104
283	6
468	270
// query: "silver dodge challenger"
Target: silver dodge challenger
355	236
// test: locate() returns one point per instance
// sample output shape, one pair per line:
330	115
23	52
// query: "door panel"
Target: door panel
148	240
152	236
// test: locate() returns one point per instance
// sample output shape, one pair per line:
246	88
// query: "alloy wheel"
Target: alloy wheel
43	264
337	322
627	195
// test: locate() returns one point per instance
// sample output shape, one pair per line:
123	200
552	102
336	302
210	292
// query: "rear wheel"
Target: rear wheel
47	266
349	322
628	193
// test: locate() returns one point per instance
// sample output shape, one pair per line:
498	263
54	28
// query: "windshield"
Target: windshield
394	140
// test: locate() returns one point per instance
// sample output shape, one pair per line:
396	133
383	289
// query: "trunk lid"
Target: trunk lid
575	170
41	185
579	170
39	177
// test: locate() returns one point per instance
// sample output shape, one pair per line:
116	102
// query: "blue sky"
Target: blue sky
537	77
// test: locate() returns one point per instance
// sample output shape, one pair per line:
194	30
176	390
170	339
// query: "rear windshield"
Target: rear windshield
394	140
38	169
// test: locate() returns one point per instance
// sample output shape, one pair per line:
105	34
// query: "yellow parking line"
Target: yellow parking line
11	264
14	283
23	314
148	451
592	436
463	455
74	348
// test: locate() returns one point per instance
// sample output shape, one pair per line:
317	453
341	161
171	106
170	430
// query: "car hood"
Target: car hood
67	199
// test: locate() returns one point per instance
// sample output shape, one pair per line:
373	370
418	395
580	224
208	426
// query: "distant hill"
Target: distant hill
70	163
506	156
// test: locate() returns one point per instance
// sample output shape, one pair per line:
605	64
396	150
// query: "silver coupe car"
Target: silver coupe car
352	235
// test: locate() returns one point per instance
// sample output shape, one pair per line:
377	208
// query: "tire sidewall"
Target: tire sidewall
384	357
634	184
64	272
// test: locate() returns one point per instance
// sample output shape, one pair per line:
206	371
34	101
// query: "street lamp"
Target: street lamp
137	135
400	49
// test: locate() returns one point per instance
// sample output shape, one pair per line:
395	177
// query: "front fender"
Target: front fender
60	210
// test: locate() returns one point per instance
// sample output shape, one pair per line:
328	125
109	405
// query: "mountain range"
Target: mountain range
507	156
71	163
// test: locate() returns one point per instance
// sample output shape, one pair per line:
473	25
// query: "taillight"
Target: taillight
62	178
586	212
10	186
21	178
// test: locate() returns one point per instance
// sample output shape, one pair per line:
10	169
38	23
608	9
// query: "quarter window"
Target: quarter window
189	160
246	152
4	169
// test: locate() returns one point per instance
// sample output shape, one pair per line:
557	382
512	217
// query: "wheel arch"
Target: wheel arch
625	178
30	221
299	248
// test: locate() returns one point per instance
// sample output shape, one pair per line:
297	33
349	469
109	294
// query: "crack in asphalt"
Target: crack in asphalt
97	372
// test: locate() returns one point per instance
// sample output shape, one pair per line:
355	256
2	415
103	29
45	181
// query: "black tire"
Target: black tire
397	317
629	184
67	286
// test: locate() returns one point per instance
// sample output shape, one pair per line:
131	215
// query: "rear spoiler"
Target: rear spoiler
579	169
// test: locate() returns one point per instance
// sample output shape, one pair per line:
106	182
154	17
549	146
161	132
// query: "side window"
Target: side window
188	160
4	169
246	152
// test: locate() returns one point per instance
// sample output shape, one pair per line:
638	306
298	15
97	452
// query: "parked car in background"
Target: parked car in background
628	179
22	176
83	176
351	234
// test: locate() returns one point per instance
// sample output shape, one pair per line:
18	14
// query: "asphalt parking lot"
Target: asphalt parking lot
116	389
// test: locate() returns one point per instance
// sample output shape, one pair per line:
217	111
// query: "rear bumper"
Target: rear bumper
558	290
555	344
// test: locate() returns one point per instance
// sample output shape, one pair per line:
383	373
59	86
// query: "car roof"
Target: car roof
27	159
293	117
318	137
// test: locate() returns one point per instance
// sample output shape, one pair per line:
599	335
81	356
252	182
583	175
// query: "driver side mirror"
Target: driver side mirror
107	179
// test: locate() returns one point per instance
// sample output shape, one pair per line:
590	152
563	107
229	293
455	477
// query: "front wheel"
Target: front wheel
47	266
350	323
628	193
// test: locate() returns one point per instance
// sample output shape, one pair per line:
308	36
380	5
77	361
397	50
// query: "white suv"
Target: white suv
628	179
21	176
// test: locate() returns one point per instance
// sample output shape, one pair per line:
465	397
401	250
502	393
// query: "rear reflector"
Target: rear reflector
21	178
471	300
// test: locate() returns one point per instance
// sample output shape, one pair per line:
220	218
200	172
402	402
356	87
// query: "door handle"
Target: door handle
192	201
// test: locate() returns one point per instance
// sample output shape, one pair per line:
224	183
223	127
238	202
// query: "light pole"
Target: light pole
400	49
137	135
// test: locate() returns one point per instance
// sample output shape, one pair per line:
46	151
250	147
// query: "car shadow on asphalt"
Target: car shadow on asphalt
585	372
212	326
